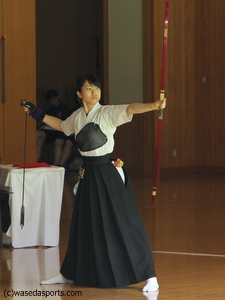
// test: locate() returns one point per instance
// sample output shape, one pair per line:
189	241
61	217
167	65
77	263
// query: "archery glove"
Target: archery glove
35	112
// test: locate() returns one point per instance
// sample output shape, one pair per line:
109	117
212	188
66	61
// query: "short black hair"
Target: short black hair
50	94
91	78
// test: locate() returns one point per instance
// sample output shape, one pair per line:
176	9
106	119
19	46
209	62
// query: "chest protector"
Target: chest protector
90	137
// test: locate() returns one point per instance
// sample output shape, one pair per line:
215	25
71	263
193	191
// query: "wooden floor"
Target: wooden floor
186	229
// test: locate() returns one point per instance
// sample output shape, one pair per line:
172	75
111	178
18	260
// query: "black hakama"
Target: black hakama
108	244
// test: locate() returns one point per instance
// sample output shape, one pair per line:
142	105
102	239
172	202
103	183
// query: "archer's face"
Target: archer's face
89	94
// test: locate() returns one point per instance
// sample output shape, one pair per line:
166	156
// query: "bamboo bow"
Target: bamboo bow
162	93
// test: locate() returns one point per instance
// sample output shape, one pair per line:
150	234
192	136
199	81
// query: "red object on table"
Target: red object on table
33	165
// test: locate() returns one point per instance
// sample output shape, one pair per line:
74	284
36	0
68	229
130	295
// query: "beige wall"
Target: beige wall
125	51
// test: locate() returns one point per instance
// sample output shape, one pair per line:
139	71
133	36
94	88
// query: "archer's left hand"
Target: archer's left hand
160	104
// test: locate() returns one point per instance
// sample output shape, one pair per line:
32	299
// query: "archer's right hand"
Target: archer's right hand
34	112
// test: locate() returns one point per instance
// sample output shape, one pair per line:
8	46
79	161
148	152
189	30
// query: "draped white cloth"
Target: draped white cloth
42	201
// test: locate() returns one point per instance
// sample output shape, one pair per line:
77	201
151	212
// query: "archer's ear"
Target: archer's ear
79	94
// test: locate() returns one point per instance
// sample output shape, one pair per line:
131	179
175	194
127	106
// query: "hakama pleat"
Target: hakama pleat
108	244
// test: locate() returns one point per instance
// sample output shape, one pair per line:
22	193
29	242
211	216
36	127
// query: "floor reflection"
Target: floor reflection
27	267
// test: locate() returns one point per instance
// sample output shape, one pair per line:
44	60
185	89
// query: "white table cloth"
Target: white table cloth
42	201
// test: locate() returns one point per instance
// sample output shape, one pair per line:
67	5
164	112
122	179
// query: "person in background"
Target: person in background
70	141
47	134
